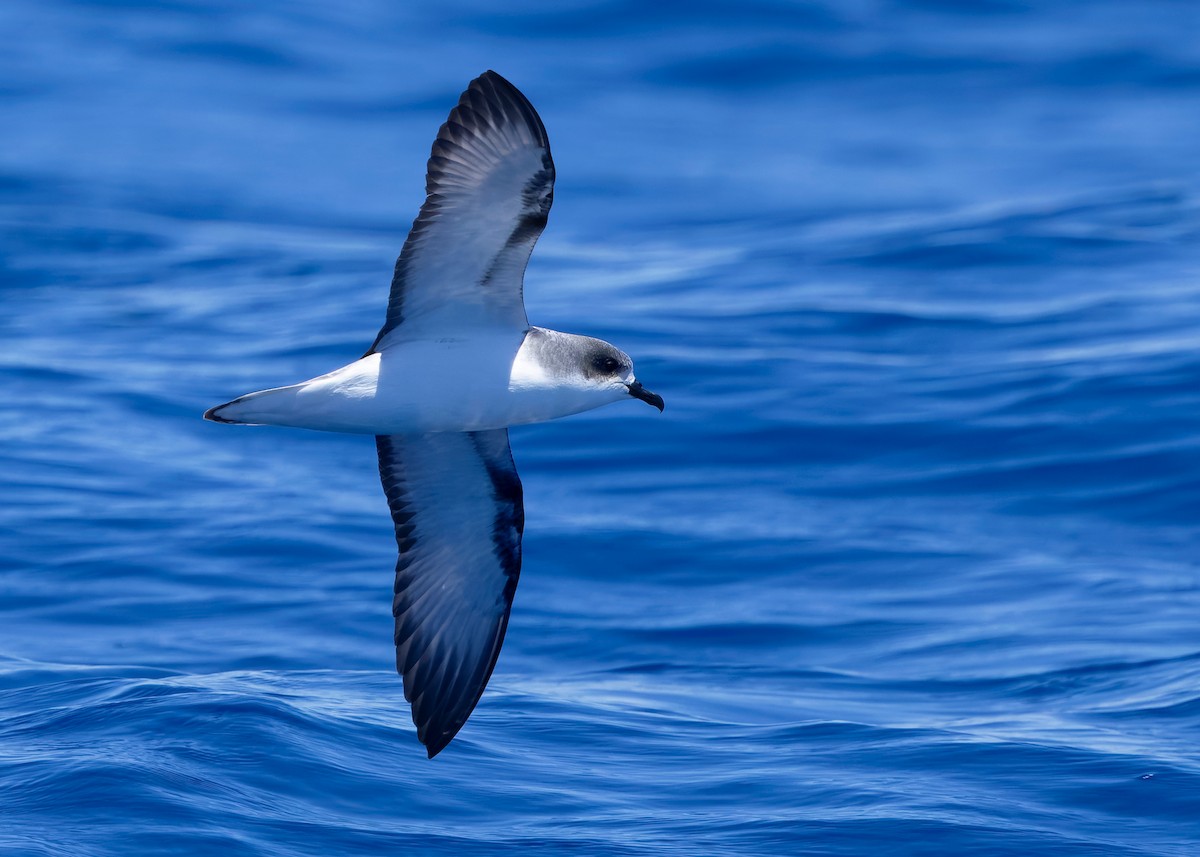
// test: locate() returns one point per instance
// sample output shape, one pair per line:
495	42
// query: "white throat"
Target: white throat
546	382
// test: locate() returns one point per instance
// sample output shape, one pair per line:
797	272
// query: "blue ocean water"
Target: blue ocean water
909	565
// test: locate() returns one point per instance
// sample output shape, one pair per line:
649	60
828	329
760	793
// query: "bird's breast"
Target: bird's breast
468	384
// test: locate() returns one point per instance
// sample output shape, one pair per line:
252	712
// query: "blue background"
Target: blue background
908	566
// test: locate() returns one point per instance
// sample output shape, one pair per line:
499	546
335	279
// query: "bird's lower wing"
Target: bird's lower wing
455	499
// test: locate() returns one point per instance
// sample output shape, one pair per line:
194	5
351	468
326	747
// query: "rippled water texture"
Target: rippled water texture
908	566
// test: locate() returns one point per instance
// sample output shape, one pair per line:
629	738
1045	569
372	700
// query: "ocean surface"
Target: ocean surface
909	566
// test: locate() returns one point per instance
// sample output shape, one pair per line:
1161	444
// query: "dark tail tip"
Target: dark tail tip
214	415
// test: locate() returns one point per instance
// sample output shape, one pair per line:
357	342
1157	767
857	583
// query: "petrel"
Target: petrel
454	365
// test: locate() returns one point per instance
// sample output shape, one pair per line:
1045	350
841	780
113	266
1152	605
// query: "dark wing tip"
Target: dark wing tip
488	104
436	744
499	93
442	698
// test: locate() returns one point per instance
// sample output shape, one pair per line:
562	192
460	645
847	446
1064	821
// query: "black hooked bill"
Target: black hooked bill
639	392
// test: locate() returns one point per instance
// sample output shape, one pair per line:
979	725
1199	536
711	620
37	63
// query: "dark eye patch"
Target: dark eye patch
604	364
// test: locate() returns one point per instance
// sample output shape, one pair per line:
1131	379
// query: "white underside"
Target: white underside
483	382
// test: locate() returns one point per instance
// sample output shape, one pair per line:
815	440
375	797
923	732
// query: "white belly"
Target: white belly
415	387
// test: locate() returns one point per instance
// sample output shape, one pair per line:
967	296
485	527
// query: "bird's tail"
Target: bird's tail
266	407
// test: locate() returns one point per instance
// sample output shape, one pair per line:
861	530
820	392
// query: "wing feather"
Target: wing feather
489	186
456	503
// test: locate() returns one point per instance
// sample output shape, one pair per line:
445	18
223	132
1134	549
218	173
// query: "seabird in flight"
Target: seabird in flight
455	364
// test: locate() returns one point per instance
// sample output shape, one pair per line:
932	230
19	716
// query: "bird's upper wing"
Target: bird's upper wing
490	183
456	503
